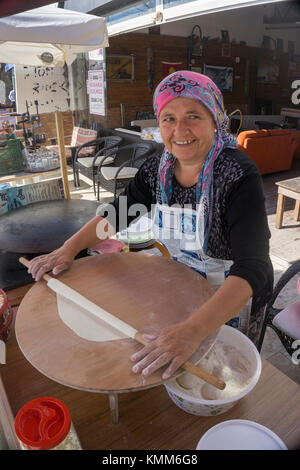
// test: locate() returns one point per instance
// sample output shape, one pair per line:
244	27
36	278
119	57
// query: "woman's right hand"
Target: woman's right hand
58	260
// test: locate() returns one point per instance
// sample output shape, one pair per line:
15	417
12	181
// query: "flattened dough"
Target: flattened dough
86	319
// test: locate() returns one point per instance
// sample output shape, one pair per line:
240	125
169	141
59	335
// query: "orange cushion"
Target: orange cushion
250	134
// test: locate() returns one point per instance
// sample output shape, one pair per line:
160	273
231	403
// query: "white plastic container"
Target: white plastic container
239	434
202	407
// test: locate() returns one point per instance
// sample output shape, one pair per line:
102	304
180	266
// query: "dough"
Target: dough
187	381
86	319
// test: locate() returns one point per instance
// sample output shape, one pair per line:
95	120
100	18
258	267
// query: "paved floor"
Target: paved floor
284	249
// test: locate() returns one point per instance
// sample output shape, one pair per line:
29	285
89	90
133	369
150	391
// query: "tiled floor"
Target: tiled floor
284	248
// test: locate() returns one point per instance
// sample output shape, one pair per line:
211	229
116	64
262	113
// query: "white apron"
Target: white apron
179	229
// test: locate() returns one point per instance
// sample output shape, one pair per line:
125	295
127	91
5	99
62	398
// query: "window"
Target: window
140	9
173	3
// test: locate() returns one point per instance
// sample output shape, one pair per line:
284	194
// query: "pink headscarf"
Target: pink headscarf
195	86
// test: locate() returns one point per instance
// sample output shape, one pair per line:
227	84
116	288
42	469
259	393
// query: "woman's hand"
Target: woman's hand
58	260
174	346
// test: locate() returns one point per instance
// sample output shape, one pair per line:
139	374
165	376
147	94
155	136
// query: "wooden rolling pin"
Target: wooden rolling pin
91	308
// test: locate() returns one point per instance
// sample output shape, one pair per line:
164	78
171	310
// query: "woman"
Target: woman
209	213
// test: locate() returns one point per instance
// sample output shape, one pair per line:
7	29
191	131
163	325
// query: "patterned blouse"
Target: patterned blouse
239	229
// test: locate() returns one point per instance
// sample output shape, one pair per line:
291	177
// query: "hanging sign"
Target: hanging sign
171	67
97	54
96	92
47	85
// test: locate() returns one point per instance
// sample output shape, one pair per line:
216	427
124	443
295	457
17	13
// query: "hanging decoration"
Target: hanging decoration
171	67
195	47
150	69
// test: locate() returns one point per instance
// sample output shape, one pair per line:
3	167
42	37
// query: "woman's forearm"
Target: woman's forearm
62	258
89	235
225	304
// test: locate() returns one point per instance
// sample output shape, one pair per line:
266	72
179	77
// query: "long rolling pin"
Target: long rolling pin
118	324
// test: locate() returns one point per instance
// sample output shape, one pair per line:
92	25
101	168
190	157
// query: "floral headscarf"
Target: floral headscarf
202	89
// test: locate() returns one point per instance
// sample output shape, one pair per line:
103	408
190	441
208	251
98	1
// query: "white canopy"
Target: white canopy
49	36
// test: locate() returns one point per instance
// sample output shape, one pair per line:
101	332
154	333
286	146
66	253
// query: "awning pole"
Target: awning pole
62	153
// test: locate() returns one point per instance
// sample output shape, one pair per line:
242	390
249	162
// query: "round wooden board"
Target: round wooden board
148	292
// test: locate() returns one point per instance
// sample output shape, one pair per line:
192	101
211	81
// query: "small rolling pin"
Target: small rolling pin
118	324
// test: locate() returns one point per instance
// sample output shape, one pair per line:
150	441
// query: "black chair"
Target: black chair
282	321
268	125
88	165
127	161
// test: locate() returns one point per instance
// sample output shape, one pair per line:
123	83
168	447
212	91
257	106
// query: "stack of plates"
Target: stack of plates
138	234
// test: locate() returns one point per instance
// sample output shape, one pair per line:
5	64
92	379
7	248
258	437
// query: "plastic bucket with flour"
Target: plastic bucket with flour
240	347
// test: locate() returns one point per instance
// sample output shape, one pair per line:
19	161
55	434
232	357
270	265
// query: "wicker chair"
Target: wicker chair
285	322
88	165
127	161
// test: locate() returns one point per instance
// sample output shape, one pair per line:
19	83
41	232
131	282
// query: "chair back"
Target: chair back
271	311
141	153
120	154
112	142
82	136
133	154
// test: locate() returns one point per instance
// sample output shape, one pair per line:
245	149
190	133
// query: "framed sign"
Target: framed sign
120	67
222	76
267	72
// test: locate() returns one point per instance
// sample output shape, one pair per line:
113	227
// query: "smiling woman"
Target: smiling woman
208	210
187	129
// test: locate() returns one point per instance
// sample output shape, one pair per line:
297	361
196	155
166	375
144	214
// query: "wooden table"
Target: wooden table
22	175
148	418
125	285
44	226
287	188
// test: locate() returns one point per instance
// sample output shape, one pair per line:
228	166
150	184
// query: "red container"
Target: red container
45	424
6	316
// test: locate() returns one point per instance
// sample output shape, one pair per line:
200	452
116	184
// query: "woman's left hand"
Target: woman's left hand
174	346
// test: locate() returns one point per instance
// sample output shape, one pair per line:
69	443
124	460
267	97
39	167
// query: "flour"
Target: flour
225	362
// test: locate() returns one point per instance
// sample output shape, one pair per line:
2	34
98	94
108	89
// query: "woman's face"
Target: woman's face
187	129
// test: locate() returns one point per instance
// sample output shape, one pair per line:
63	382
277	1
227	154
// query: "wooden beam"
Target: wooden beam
7	419
62	153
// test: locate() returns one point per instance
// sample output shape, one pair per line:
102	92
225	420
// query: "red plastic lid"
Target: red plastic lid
42	423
